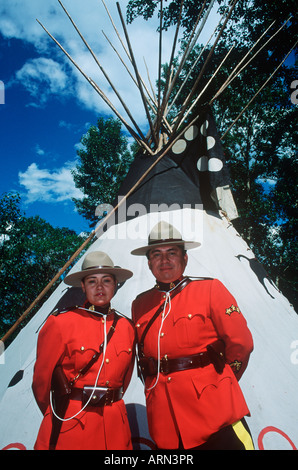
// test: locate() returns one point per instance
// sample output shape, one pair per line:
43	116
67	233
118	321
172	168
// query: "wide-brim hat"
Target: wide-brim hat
97	262
164	234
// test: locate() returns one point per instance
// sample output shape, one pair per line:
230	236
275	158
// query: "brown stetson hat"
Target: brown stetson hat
97	262
164	234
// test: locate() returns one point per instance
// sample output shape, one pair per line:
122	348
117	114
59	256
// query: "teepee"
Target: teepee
179	176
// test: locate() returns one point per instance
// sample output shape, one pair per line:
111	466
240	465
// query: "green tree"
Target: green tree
104	162
32	252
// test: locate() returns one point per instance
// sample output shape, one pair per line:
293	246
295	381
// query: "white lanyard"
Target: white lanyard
97	377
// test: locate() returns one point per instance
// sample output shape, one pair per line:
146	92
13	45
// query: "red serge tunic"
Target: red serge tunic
193	404
71	339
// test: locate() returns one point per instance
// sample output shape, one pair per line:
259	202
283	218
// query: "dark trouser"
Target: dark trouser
234	437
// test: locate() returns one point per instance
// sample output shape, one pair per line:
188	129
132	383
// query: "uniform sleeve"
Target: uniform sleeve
50	348
231	327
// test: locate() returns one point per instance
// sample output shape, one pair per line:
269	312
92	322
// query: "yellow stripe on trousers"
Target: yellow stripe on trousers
243	435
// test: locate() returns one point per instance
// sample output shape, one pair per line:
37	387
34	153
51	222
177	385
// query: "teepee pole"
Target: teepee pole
104	72
238	70
258	92
208	83
192	68
137	75
92	235
101	93
161	109
116	30
150	100
184	57
159	56
154	98
189	98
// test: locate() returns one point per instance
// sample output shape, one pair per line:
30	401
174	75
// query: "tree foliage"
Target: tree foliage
104	162
32	252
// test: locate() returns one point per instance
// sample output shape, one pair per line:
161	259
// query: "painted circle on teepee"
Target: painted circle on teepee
204	128
202	164
179	146
191	133
210	142
215	164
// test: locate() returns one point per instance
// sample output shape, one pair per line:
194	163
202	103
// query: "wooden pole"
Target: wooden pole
259	91
238	70
92	235
137	76
101	94
188	99
104	73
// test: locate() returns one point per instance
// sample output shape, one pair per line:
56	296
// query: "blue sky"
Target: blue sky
48	105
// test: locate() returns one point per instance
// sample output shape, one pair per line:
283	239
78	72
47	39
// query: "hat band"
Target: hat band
97	267
156	242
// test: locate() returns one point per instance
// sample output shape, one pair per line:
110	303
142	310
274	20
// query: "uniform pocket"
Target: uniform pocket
122	348
79	354
188	327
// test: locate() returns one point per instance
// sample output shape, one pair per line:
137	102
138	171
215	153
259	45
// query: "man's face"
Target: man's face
99	288
167	263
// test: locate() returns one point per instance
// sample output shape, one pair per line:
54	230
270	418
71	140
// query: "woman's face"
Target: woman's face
99	288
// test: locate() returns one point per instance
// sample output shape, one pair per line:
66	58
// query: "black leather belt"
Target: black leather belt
100	396
149	365
214	355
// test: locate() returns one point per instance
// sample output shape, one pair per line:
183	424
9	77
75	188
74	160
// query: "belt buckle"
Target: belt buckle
164	365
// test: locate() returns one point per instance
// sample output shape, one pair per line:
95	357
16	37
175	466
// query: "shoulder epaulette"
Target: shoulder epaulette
201	278
144	293
58	311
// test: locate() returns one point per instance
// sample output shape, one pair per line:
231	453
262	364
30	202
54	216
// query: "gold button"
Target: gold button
82	348
107	382
129	349
169	379
138	325
189	315
107	361
162	334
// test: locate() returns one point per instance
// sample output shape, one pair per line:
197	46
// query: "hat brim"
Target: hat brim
120	274
143	250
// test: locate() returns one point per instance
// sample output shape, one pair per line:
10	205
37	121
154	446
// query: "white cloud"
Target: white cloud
17	19
39	150
43	77
48	185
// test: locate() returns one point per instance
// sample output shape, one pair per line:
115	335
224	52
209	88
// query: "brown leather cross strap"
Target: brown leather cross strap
97	354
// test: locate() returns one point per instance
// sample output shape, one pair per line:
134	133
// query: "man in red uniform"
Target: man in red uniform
89	413
193	346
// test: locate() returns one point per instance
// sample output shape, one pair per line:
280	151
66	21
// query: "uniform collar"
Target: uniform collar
105	310
166	287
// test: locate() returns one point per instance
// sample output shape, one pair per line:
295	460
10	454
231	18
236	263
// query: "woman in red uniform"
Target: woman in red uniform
90	351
